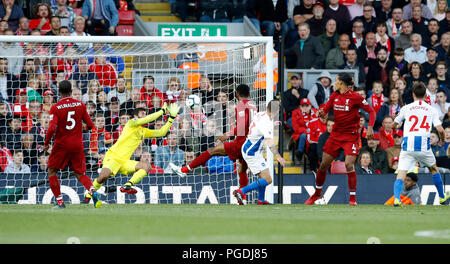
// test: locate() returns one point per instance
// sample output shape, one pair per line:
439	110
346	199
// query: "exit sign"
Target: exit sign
172	30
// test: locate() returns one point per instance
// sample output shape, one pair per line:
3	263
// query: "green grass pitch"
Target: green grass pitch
218	224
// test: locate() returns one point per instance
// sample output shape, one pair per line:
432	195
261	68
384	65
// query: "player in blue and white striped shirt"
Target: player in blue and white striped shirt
418	118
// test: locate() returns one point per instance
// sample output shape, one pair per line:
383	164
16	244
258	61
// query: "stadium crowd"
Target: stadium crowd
393	44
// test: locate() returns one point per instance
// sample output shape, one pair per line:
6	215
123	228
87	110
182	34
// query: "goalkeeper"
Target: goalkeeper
117	158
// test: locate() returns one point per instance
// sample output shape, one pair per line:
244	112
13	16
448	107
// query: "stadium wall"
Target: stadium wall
154	189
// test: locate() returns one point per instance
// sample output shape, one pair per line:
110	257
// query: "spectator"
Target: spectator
356	9
434	144
386	133
416	75
5	156
293	96
272	16
383	39
300	118
66	14
91	108
330	38
240	9
430	36
384	12
419	23
29	69
357	33
408	10
12	13
389	108
336	57
400	85
379	68
105	71
33	92
441	8
442	106
429	66
17	166
8	82
99	138
432	88
205	91
102	102
40	129
104	16
364	164
83	75
148	90
12	137
92	91
3	27
209	136
317	21
112	116
173	90
41	18
5	116
323	139
403	40
220	111
399	62
368	18
79	24
394	151
13	52
394	24
120	91
308	50
170	153
367	49
112	57
379	156
363	122
377	98
41	167
411	190
444	24
24	27
30	153
146	156
76	93
135	97
441	75
340	14
55	25
320	92
314	128
213	11
394	75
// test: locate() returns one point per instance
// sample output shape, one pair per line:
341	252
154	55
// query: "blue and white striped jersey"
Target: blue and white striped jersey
260	128
419	118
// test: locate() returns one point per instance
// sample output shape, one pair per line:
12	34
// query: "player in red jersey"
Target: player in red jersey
245	109
66	125
345	133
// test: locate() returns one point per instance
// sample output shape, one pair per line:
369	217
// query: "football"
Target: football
193	101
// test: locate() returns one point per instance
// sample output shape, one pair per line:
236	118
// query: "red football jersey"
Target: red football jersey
346	111
66	123
244	112
314	129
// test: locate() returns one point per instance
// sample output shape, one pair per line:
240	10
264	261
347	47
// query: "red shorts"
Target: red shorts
233	149
60	158
336	142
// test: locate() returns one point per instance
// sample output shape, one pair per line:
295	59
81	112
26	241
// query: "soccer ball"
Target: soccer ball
193	101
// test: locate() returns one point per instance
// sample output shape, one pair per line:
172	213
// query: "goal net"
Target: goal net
112	76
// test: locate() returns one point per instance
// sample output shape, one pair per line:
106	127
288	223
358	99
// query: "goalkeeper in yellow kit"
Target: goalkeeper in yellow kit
117	158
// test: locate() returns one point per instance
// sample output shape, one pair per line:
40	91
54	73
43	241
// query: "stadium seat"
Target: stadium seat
338	167
125	30
127	17
78	11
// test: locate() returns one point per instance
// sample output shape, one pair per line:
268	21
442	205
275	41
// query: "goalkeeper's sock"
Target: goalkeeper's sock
86	181
243	179
138	176
254	185
96	184
398	186
54	186
439	185
262	189
202	159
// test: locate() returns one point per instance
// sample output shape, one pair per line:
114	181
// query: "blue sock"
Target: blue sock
398	186
262	189
438	183
252	186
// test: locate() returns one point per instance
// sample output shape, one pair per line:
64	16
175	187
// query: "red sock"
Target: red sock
320	179
243	179
86	181
54	186
202	159
352	182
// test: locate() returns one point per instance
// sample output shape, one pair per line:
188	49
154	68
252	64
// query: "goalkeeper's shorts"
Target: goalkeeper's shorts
118	165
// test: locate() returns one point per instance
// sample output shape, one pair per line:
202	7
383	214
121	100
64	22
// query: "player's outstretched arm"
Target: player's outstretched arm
173	111
149	118
273	148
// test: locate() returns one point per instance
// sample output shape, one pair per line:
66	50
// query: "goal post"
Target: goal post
122	68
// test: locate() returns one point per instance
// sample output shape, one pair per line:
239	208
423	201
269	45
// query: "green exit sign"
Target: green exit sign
171	30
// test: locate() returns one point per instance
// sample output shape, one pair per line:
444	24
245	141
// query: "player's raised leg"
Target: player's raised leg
321	175
140	170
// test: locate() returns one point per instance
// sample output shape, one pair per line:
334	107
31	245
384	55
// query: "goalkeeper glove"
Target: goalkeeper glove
164	108
173	110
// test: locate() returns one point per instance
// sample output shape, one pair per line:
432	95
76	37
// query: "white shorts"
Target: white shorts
407	160
256	163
